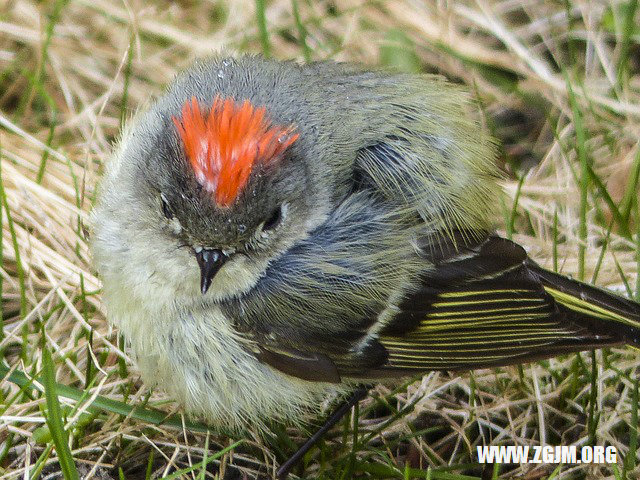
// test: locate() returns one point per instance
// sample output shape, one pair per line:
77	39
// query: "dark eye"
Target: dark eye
166	209
274	219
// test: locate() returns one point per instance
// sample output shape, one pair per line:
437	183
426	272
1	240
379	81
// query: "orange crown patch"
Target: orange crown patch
223	146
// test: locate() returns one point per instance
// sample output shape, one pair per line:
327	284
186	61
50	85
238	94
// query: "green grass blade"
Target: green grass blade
630	461
514	209
603	249
125	88
631	190
592	421
625	42
302	31
622	222
554	253
584	176
54	418
261	19
14	241
106	404
149	471
205	461
637	292
41	462
1	253
45	152
398	52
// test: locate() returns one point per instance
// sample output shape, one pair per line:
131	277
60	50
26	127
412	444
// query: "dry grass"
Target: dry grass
71	72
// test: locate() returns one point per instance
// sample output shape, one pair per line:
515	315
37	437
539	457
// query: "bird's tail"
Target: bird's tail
604	314
488	304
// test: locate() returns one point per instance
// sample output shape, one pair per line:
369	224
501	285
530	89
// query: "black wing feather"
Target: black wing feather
489	305
481	303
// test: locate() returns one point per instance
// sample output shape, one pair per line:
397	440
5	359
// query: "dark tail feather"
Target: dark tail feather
602	313
489	305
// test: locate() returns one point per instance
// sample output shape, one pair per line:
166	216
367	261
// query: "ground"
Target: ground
556	82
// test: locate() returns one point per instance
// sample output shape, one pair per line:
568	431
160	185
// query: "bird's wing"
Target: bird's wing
482	303
490	305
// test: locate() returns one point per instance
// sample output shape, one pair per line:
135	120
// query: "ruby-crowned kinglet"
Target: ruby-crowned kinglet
270	234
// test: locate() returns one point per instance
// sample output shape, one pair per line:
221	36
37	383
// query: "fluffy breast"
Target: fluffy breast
200	360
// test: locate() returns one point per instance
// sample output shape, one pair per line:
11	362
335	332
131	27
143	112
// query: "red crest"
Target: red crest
224	145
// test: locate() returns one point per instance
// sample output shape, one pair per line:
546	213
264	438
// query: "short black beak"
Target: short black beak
209	261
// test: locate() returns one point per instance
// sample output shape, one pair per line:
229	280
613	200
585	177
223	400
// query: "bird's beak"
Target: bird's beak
209	261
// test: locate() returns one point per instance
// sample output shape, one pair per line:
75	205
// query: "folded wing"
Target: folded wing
489	305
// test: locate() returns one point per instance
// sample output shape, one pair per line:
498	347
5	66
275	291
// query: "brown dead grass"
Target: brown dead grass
510	54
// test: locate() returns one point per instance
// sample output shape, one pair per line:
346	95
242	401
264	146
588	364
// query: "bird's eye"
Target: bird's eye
274	219
166	209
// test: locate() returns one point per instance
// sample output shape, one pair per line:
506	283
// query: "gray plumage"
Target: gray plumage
389	180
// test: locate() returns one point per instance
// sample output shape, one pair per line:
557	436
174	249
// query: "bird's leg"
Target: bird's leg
336	416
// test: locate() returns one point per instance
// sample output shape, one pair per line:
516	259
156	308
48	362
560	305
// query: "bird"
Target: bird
271	235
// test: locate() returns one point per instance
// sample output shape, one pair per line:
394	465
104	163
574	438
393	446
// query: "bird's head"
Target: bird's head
218	188
235	192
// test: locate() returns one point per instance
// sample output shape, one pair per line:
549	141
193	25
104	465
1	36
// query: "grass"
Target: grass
557	83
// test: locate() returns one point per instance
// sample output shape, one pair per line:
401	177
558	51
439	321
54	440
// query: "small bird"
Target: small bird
271	235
